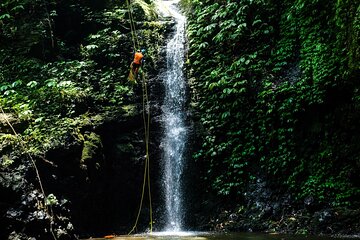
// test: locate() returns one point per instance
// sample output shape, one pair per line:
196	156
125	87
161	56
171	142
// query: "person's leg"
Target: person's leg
136	67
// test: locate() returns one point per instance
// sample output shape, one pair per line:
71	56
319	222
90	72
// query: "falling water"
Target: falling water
175	131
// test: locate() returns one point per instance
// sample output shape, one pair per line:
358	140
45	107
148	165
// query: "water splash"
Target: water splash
175	131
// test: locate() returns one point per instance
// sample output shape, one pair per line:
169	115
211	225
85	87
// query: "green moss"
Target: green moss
8	140
6	161
92	145
143	10
130	110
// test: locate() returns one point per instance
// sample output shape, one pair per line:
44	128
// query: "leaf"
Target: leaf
219	37
4	16
8	92
4	87
227	90
242	25
65	83
51	200
40	119
17	8
32	84
225	115
91	47
203	45
256	22
210	27
51	82
16	83
212	85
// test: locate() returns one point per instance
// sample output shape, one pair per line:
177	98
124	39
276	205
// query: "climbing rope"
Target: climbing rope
132	26
22	144
146	120
147	136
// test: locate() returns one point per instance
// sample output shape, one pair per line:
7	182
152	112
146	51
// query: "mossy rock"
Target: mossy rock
143	10
92	145
130	110
5	119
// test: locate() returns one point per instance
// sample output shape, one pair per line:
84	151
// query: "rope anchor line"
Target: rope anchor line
48	209
146	119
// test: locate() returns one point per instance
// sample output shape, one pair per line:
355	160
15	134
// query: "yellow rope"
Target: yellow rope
132	27
142	197
22	144
146	120
147	146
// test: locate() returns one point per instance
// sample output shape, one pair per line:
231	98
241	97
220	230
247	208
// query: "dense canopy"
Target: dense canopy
274	102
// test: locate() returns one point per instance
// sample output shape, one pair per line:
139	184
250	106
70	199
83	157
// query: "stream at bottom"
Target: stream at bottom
217	236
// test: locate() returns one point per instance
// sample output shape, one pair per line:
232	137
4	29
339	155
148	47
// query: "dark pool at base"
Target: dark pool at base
220	236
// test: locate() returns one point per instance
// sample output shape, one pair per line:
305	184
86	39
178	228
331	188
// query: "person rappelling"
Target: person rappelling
136	64
138	58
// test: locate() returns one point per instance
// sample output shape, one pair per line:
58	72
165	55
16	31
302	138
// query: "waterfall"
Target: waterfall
175	130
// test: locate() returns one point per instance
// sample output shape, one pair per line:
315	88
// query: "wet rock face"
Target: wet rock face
11	186
99	179
260	206
264	209
264	202
92	187
24	214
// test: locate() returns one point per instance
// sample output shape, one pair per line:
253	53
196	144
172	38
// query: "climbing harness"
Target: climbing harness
146	119
47	208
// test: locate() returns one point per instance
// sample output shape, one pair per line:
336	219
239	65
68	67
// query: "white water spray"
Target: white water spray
175	130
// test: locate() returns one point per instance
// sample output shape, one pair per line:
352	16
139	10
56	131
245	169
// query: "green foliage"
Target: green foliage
92	142
143	10
6	161
64	67
275	95
51	200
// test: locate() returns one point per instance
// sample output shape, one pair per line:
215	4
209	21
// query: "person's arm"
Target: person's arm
143	60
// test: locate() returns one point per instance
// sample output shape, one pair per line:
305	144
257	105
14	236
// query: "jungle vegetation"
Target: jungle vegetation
64	66
276	88
63	74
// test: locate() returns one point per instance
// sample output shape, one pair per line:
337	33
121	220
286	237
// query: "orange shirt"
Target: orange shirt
138	57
